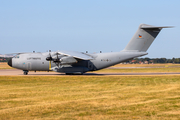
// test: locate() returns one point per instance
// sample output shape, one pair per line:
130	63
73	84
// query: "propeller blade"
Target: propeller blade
49	58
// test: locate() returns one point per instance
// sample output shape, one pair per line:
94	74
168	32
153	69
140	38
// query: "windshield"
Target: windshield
17	56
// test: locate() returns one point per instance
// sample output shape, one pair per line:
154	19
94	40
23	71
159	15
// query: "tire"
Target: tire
25	72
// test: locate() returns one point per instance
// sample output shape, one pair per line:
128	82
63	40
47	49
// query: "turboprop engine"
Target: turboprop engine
68	60
62	59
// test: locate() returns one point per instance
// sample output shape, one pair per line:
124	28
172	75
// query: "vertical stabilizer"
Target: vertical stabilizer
143	38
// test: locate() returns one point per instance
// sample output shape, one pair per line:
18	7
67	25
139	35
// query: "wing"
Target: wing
78	55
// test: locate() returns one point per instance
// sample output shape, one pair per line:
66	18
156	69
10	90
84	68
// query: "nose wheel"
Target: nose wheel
25	72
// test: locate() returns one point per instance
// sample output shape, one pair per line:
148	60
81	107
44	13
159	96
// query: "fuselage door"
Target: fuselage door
29	66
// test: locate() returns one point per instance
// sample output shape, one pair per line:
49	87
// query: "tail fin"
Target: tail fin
143	38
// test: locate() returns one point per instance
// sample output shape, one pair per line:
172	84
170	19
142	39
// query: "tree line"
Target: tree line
2	59
155	60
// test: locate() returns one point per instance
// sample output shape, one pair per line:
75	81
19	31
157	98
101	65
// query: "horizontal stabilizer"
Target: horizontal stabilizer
79	55
145	26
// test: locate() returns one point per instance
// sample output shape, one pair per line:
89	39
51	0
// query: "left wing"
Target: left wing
79	55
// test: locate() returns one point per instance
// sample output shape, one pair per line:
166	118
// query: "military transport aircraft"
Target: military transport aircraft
80	62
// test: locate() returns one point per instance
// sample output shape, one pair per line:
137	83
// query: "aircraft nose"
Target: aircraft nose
10	62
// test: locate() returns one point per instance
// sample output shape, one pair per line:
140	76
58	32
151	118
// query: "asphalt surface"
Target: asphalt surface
15	72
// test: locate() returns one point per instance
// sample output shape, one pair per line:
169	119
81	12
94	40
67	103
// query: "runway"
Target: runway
16	72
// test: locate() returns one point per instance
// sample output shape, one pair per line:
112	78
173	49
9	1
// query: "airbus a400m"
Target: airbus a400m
80	62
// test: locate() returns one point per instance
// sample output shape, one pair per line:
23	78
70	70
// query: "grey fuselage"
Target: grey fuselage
38	62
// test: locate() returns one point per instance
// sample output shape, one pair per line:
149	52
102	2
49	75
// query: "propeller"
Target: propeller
49	58
57	58
53	57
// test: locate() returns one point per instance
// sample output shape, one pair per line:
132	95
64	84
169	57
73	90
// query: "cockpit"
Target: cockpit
17	56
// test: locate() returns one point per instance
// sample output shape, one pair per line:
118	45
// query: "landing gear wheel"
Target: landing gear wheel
25	72
79	73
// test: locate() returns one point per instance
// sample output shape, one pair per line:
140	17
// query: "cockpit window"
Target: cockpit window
17	56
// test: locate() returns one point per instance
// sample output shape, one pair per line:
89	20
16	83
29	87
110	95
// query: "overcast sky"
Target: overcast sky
87	25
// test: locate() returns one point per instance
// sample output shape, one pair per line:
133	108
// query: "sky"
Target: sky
87	25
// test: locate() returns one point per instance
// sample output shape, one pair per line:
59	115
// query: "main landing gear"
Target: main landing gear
25	72
77	73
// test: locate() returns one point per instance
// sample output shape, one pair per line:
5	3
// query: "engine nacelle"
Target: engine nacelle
49	58
68	60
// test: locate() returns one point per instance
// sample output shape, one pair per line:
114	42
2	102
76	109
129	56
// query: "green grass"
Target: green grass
90	97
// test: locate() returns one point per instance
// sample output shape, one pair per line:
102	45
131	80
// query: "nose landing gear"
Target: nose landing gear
25	72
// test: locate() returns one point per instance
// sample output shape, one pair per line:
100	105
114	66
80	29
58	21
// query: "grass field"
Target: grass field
4	65
140	70
90	97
